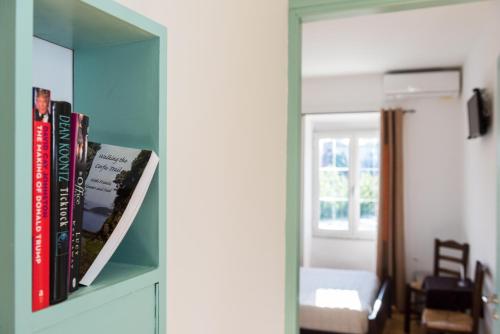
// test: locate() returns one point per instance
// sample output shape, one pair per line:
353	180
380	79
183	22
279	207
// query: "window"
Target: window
346	184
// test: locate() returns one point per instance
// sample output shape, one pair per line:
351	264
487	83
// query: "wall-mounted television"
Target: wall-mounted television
479	115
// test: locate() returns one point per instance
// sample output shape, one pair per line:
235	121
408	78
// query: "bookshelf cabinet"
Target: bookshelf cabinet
119	71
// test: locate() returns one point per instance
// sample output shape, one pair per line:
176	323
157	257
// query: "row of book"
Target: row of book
85	197
59	162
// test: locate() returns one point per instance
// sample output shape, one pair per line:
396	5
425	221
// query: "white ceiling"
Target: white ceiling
423	38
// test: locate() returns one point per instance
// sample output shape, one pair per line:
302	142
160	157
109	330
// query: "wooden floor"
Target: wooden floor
395	325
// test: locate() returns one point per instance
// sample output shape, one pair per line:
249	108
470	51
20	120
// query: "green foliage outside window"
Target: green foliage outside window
334	184
368	185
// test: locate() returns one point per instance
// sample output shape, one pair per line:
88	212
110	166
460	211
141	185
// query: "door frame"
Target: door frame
301	11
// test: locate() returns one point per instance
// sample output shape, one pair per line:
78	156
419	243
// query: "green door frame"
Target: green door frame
307	11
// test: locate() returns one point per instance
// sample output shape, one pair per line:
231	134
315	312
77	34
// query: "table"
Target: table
446	293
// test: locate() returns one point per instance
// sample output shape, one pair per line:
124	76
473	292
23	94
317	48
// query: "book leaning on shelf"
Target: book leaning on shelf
117	181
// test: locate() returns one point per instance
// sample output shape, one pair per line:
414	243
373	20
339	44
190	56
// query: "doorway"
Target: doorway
302	14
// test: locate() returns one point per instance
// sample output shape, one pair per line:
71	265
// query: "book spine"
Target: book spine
60	207
72	166
79	128
40	200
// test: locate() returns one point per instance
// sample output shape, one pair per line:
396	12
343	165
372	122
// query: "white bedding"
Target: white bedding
335	300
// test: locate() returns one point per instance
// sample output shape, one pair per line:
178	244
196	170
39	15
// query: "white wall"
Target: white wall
48	59
433	179
480	197
343	253
342	93
480	154
227	105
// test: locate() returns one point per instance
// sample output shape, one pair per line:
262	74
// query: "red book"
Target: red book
41	199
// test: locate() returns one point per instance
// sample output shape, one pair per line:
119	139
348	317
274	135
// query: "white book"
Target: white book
117	182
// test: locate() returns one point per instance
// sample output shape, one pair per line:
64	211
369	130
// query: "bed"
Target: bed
342	301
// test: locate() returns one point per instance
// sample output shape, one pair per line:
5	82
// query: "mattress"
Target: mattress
335	300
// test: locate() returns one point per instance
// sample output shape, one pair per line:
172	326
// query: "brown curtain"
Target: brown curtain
390	246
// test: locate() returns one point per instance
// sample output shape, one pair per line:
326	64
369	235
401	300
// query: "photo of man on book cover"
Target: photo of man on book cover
41	107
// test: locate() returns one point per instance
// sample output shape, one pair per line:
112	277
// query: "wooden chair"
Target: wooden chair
458	322
439	258
415	295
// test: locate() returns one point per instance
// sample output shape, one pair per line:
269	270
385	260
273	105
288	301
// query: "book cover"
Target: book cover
41	199
117	182
79	141
60	196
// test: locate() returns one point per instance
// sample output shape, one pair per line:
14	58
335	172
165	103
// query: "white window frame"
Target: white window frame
354	191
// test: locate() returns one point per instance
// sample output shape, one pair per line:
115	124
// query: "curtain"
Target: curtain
390	245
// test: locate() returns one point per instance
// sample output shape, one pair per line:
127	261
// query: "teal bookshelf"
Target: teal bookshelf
119	71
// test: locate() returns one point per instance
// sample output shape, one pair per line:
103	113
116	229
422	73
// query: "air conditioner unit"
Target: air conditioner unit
422	84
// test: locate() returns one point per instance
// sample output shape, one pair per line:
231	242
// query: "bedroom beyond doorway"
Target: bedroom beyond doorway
384	171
